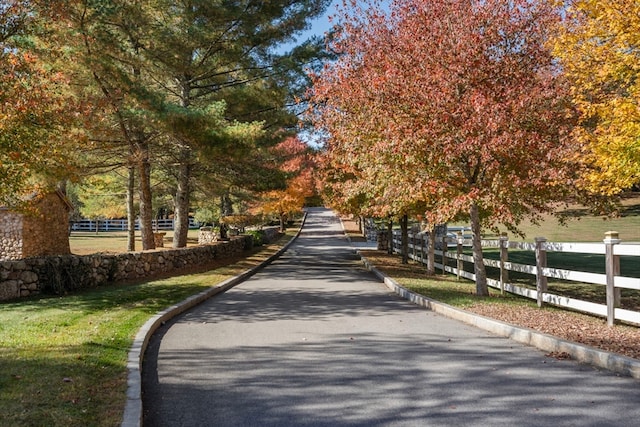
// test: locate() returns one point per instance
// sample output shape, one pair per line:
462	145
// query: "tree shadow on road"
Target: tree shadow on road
371	380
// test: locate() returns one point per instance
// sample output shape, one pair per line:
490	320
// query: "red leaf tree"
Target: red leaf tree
455	104
295	162
38	114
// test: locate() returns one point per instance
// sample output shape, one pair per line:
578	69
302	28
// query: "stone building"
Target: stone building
43	229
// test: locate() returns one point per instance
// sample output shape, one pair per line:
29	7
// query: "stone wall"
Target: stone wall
10	235
208	235
42	230
65	273
270	233
382	239
46	232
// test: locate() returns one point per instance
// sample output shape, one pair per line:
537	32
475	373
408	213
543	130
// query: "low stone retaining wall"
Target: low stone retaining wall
271	233
208	235
65	273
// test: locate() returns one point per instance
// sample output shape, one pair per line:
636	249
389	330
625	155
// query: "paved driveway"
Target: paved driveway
316	340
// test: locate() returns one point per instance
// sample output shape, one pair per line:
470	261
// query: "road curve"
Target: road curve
316	340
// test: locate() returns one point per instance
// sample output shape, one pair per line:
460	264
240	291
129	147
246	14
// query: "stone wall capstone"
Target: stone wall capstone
61	274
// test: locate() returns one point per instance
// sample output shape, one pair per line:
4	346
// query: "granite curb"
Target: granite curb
616	363
132	416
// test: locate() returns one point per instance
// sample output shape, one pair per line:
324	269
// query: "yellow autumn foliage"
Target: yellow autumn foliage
599	49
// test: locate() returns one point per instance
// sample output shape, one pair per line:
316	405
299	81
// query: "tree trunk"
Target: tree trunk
283	222
226	206
431	252
181	224
226	209
183	190
390	237
478	264
131	212
404	225
146	211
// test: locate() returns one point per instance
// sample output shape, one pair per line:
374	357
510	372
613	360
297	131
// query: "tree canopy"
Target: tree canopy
295	160
187	87
457	105
38	114
439	109
598	45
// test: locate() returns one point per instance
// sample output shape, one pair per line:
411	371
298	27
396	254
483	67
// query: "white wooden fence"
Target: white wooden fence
611	247
122	225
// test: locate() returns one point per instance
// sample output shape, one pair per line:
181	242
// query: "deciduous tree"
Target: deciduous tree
295	160
38	114
455	104
598	44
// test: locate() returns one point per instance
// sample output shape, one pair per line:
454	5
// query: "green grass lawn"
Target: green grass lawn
63	359
591	263
585	227
85	242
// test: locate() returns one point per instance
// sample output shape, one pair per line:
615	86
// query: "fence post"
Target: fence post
541	262
459	263
413	242
431	247
392	243
504	257
422	249
612	269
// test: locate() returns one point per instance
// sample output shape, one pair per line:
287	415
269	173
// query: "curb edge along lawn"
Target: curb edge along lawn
132	416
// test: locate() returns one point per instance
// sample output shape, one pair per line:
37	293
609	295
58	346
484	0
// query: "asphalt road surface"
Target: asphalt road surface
315	340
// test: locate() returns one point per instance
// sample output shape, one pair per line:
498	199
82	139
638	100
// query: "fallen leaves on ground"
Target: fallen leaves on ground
570	326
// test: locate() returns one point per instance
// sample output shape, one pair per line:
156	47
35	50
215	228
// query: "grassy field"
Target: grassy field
84	242
63	359
592	263
585	227
581	227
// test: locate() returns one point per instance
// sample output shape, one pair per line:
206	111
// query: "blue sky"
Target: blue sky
318	28
320	25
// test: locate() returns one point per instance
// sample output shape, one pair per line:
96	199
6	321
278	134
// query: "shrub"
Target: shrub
258	237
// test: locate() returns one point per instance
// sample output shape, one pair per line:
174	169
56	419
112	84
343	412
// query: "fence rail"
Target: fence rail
611	248
122	225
